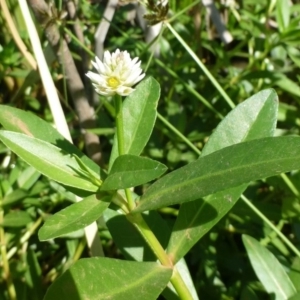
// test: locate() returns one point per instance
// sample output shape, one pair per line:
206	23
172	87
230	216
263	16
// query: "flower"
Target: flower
117	73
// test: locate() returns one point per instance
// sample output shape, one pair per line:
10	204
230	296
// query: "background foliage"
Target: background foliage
264	53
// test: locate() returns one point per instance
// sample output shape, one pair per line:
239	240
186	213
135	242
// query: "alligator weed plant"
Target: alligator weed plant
240	150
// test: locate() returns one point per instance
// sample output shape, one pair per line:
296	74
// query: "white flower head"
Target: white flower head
117	73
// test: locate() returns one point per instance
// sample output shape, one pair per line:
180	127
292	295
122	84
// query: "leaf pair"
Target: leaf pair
252	119
41	146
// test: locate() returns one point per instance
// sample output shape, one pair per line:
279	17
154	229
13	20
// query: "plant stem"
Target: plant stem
120	137
25	237
86	49
289	183
138	221
190	88
180	286
267	221
202	66
178	133
48	84
7	275
121	202
188	7
16	36
119	124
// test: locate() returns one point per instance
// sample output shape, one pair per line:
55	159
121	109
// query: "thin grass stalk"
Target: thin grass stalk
91	232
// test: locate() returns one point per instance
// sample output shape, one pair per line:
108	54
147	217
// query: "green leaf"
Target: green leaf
294	55
287	84
18	120
33	275
282	14
139	115
295	273
295	297
130	170
248	294
105	278
47	159
14	197
223	169
194	220
74	217
291	208
16	219
290	37
28	178
268	269
254	118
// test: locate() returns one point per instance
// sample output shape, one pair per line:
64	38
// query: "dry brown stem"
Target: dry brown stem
84	110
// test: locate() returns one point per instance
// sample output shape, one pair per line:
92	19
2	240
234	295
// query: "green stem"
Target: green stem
184	10
267	221
6	271
120	137
189	88
202	66
178	133
26	236
121	202
119	124
138	221
91	53
130	200
180	286
78	252
289	183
